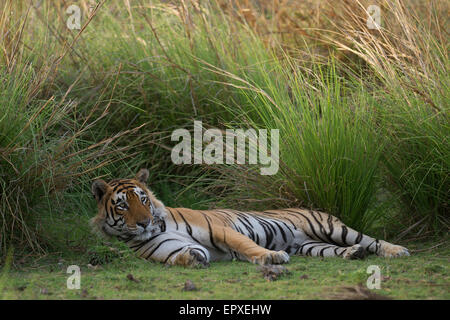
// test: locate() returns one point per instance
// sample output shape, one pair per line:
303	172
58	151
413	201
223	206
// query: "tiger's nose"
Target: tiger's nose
144	223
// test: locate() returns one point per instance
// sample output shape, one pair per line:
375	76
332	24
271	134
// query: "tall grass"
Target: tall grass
329	154
50	144
408	59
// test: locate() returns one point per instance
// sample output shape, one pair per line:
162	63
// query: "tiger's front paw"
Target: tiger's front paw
199	260
390	250
272	257
191	257
355	252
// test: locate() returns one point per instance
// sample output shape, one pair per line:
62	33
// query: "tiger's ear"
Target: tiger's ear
99	189
142	175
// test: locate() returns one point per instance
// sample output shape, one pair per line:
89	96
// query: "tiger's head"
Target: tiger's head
127	208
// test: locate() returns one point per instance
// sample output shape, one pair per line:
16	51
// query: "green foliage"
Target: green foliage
104	253
417	160
411	83
50	145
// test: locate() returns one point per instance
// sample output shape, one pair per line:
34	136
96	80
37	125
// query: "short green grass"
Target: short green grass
424	275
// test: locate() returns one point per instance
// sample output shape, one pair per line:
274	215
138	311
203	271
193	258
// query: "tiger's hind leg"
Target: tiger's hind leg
322	249
326	228
350	237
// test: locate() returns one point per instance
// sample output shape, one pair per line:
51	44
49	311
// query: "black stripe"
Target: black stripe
335	251
269	230
308	252
139	245
124	185
163	226
173	218
330	225
220	217
283	234
243	219
230	219
158	246
171	254
125	189
287	227
106	210
323	231
323	249
307	243
251	234
290	221
295	216
211	236
312	213
202	251
343	250
310	224
270	213
344	235
368	247
188	226
359	238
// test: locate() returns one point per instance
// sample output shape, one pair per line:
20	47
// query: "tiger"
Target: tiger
129	211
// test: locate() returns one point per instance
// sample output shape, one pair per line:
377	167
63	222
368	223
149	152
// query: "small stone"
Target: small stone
189	286
84	293
97	266
131	278
272	272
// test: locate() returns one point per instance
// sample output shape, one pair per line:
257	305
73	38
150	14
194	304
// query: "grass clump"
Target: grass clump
329	154
408	60
50	144
104	253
